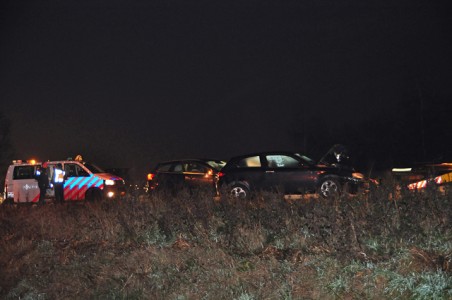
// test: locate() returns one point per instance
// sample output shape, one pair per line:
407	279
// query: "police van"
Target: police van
83	181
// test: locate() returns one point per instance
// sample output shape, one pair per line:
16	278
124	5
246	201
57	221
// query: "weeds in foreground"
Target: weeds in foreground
191	246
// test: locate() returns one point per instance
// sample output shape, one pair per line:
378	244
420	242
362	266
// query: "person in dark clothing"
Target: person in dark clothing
43	183
58	183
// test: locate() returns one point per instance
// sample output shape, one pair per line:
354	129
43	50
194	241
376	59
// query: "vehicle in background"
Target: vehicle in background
192	174
290	173
84	181
424	175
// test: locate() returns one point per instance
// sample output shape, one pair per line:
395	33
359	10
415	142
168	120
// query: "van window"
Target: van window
74	170
93	168
24	172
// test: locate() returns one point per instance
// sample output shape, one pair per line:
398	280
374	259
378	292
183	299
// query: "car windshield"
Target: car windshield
216	164
306	159
93	168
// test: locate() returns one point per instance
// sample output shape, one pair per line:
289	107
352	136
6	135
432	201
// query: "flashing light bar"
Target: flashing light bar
21	161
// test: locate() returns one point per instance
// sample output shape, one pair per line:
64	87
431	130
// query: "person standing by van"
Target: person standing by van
58	183
43	182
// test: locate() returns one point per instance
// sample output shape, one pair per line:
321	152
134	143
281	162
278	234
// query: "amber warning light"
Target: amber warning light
150	176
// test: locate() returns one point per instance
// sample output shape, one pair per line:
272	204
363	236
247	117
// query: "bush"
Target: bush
190	246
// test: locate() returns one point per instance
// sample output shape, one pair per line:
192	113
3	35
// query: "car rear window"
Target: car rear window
163	168
249	162
24	172
217	165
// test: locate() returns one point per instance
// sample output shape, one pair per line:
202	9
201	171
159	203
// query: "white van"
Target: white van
84	181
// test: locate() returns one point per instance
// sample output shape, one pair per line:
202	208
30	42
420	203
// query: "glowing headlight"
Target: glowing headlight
110	194
109	182
358	175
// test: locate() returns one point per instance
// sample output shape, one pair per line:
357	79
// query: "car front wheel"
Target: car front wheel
329	188
239	191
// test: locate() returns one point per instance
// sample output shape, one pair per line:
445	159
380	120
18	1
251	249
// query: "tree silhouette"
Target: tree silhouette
417	131
6	149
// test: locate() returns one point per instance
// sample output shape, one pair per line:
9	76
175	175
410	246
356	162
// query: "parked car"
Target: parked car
424	175
290	173
185	173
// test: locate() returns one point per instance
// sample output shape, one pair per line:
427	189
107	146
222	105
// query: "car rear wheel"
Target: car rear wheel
239	190
329	188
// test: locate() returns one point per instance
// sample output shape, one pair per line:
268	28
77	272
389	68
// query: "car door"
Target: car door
77	182
287	173
198	175
248	170
170	176
25	186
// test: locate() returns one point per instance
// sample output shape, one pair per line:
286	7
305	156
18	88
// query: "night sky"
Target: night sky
129	83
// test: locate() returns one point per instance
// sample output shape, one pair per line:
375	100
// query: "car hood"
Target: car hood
337	155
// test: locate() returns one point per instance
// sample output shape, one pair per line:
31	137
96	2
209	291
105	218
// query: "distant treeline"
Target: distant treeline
418	130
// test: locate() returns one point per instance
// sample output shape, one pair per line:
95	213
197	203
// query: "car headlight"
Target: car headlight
358	175
109	182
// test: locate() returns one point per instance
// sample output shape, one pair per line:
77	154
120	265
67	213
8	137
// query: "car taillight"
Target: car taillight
220	174
150	176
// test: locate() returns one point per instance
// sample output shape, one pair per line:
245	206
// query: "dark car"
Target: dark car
192	174
289	173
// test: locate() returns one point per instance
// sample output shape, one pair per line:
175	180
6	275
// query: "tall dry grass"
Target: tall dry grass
190	246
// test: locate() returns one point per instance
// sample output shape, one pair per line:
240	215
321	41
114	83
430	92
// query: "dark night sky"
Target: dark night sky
128	83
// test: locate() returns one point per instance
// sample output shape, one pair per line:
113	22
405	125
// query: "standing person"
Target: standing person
43	182
58	183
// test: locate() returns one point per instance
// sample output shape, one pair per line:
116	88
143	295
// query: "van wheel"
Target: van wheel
329	188
239	190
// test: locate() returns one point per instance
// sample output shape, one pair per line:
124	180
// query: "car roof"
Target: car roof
265	153
189	159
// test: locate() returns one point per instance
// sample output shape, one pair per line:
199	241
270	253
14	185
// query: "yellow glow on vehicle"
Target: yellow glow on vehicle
32	161
445	178
358	175
209	173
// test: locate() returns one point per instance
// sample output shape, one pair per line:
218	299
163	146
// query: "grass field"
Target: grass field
193	247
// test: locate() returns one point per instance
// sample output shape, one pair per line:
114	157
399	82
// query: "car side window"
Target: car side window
250	162
196	168
81	172
178	168
70	171
282	161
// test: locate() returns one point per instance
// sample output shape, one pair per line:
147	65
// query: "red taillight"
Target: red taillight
220	174
150	176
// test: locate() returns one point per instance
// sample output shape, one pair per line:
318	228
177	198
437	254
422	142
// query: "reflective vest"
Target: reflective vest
58	176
